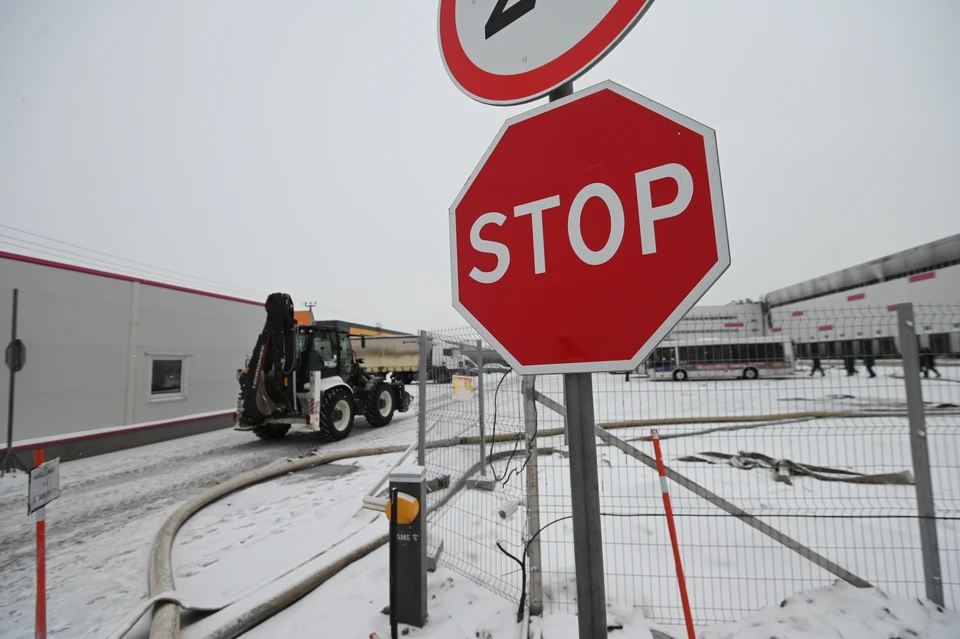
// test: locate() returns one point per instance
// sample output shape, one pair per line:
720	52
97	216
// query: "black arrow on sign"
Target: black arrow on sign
500	19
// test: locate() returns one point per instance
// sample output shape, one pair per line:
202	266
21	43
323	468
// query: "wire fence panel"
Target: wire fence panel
469	524
800	423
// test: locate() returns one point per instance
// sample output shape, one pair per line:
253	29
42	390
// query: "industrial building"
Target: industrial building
118	359
857	305
854	309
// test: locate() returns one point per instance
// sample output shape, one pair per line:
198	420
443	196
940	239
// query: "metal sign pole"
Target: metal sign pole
584	491
422	401
483	445
528	385
10	460
585	495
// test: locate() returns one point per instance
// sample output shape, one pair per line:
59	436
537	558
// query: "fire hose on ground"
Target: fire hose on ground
166	603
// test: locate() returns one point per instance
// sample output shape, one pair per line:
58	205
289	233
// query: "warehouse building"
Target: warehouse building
856	306
852	310
113	360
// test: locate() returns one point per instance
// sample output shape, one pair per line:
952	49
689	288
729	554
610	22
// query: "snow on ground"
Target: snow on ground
253	536
100	530
732	569
351	605
841	610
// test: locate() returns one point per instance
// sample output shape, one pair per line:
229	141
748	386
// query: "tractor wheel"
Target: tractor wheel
336	414
381	405
271	432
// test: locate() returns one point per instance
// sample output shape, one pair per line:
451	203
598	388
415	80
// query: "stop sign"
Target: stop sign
589	228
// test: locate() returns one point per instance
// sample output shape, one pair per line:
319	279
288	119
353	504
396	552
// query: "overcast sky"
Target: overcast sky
314	147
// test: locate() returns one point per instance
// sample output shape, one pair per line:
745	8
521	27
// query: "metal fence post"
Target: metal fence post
585	498
921	458
10	460
528	385
483	445
422	402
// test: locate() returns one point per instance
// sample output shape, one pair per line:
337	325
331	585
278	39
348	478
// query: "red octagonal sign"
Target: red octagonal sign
589	228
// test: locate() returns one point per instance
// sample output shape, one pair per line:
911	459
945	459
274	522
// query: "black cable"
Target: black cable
530	443
523	577
493	436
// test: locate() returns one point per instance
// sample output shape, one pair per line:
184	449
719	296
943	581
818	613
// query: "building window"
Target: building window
167	377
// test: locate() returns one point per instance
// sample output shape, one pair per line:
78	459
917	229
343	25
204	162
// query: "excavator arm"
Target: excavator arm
265	387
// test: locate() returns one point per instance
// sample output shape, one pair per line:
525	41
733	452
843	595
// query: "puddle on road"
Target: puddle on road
317	472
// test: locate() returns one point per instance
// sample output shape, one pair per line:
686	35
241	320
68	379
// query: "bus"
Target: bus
721	358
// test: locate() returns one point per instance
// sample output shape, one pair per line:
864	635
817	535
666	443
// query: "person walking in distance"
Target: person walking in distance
928	362
869	361
849	360
815	353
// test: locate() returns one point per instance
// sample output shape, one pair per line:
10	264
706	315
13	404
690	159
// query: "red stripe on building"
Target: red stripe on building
856	297
826	327
797	313
777	330
733	325
892	308
922	276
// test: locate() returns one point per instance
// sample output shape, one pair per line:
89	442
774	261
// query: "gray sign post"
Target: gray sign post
528	385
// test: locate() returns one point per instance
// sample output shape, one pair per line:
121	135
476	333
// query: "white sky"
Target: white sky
314	147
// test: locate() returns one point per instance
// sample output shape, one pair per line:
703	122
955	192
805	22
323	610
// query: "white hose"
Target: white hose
166	617
144	606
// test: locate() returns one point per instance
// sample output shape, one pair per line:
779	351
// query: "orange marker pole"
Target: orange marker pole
41	624
673	534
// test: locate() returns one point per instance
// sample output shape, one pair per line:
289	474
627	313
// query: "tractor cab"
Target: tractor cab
326	351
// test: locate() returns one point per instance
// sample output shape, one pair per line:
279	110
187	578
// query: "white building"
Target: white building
114	361
742	320
853	306
859	303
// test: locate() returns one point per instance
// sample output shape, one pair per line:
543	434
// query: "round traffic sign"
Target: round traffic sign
502	52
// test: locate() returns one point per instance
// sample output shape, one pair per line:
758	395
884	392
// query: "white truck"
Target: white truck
400	355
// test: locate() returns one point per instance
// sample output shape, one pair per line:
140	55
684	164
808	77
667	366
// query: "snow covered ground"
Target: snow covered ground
100	530
870	530
351	605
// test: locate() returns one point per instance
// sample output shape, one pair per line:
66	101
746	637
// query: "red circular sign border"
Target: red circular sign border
508	89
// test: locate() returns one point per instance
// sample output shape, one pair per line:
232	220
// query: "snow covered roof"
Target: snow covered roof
926	257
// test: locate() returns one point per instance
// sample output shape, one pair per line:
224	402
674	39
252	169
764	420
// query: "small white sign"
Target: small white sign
463	388
44	485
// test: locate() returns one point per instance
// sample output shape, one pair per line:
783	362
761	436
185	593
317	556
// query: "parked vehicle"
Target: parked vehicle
496	367
400	357
707	358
